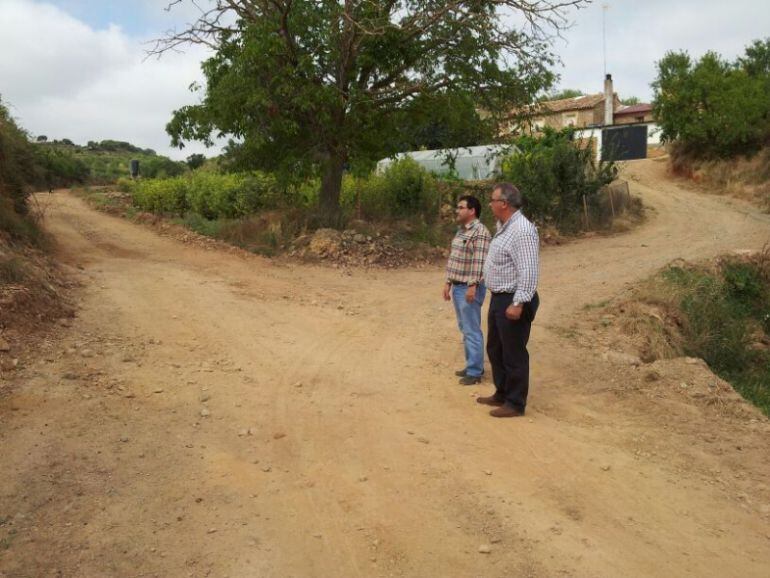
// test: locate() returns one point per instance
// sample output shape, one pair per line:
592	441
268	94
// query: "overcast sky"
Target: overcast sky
75	68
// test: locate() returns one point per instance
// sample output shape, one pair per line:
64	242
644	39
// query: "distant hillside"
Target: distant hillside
108	160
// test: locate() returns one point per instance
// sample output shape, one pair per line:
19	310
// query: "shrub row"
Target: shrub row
403	190
210	195
556	174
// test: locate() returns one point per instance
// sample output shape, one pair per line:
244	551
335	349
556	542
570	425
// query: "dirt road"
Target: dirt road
210	413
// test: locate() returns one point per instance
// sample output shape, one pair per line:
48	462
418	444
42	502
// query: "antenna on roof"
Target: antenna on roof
605	7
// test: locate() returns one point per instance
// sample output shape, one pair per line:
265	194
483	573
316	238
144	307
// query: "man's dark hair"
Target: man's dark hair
473	203
510	194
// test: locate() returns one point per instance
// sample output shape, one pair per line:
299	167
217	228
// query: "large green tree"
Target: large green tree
712	107
442	121
321	85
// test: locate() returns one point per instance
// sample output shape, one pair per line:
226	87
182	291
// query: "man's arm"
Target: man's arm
480	250
525	252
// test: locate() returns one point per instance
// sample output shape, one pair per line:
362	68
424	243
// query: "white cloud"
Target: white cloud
640	33
66	80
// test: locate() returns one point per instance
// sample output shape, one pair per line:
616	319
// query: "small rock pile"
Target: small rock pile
352	248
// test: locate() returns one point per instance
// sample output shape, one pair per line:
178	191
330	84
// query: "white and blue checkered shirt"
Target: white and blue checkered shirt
513	261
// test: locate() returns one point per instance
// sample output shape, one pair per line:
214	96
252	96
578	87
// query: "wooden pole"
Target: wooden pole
612	204
585	210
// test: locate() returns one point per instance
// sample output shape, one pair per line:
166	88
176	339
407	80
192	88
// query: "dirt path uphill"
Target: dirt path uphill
210	413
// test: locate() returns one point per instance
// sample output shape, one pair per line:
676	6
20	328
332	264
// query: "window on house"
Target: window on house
569	119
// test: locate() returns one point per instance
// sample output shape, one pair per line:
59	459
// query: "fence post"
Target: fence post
612	204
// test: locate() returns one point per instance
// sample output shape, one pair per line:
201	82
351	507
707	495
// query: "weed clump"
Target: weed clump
719	312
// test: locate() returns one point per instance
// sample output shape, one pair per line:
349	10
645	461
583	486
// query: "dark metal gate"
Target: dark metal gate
624	143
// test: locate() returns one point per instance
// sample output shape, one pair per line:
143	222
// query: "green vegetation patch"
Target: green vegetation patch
711	107
722	315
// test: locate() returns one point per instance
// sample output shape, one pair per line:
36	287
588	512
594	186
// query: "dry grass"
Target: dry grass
12	271
743	177
651	319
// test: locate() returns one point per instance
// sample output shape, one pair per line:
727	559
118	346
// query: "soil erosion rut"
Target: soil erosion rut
210	413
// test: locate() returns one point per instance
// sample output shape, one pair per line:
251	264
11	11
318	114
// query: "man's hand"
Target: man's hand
513	312
470	294
446	291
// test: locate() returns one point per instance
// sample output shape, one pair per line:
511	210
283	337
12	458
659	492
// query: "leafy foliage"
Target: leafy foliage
310	88
443	121
18	169
195	161
106	161
116	146
555	173
403	190
210	195
59	168
565	93
714	108
723	312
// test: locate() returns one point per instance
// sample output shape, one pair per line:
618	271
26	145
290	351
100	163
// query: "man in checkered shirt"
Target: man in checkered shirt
464	285
510	273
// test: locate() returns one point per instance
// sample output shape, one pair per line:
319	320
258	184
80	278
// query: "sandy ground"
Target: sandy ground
210	413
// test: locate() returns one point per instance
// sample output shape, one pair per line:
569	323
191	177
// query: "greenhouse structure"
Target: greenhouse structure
470	163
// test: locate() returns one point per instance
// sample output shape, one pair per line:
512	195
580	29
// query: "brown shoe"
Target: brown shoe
506	411
489	400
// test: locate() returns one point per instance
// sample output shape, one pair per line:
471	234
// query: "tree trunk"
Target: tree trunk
331	185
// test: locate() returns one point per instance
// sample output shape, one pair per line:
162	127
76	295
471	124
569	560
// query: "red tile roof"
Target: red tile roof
634	109
575	103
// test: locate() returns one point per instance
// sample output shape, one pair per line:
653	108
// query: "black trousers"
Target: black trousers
507	349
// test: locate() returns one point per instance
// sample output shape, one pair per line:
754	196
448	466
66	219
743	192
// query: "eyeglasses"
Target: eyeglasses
497	201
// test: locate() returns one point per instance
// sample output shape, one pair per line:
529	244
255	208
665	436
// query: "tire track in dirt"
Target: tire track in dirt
382	468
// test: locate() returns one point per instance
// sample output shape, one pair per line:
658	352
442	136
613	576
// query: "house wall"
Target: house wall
598	111
583	118
634	118
560	120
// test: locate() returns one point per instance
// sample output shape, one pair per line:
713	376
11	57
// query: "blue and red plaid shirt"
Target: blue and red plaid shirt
469	250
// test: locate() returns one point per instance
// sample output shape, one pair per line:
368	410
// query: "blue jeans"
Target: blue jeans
469	322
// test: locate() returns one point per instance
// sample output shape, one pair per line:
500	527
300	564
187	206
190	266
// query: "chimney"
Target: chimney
609	100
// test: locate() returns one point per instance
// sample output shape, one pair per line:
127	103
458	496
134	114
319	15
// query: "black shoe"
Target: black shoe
461	373
470	380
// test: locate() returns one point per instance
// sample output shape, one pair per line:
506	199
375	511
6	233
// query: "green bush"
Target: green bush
555	173
59	168
723	310
18	163
403	190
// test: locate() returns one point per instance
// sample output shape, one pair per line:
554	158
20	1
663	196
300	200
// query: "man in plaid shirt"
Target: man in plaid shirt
511	273
464	284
